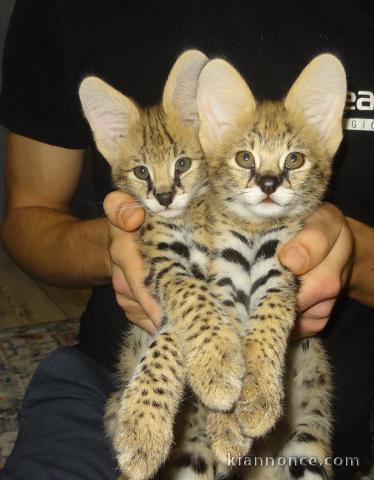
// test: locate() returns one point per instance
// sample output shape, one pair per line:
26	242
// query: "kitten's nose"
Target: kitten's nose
165	199
268	184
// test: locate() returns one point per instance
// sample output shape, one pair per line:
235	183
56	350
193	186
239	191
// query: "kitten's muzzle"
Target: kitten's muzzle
268	183
165	199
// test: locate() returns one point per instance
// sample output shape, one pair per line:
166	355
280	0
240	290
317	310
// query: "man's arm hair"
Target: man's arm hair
361	285
38	231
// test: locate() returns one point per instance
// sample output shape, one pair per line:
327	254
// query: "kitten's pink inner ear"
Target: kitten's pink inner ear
110	114
319	95
224	99
180	92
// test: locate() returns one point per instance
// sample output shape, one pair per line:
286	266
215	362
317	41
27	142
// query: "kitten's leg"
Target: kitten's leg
213	352
309	393
134	346
273	296
300	443
143	428
192	458
273	311
226	436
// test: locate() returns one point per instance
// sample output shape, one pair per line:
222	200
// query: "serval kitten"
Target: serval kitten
155	155
269	164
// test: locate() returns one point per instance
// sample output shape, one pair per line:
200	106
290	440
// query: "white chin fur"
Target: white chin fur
251	205
180	202
170	213
267	210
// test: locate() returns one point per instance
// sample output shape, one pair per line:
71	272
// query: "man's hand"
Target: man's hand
321	255
124	218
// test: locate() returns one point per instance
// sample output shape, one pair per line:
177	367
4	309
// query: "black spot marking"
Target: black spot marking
306	437
225	281
241	297
233	256
242	238
309	383
298	468
159	259
196	272
166	270
273	230
197	463
267	250
202	248
180	249
305	344
262	280
170	226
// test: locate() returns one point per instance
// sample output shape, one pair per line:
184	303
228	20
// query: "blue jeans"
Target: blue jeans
61	431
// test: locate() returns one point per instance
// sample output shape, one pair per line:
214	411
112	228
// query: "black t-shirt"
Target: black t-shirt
53	44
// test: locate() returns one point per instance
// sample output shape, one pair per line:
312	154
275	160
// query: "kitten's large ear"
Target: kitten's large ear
223	98
319	94
110	114
180	92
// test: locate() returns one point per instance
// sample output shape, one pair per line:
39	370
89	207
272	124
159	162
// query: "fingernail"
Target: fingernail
296	259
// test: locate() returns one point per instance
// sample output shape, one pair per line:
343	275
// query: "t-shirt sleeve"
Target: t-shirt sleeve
38	98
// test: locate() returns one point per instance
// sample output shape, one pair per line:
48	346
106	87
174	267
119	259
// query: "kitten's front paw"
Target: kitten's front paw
142	440
259	408
215	368
226	437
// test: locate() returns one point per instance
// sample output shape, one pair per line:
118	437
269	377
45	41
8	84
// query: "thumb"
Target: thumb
314	242
123	211
308	248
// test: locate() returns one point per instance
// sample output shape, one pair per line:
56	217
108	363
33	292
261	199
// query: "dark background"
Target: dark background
6	8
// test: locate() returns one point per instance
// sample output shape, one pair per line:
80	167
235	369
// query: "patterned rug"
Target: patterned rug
21	351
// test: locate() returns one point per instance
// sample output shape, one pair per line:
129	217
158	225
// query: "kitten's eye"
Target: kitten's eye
294	160
245	159
182	164
141	172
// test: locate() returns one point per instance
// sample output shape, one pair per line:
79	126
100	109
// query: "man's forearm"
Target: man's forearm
57	248
361	285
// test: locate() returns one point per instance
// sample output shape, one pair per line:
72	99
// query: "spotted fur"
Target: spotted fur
259	206
210	258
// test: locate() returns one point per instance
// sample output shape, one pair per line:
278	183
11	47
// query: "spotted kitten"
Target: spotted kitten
155	155
269	165
210	261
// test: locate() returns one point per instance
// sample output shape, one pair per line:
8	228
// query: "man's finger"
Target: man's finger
308	326
135	314
119	282
148	303
123	211
320	310
325	281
